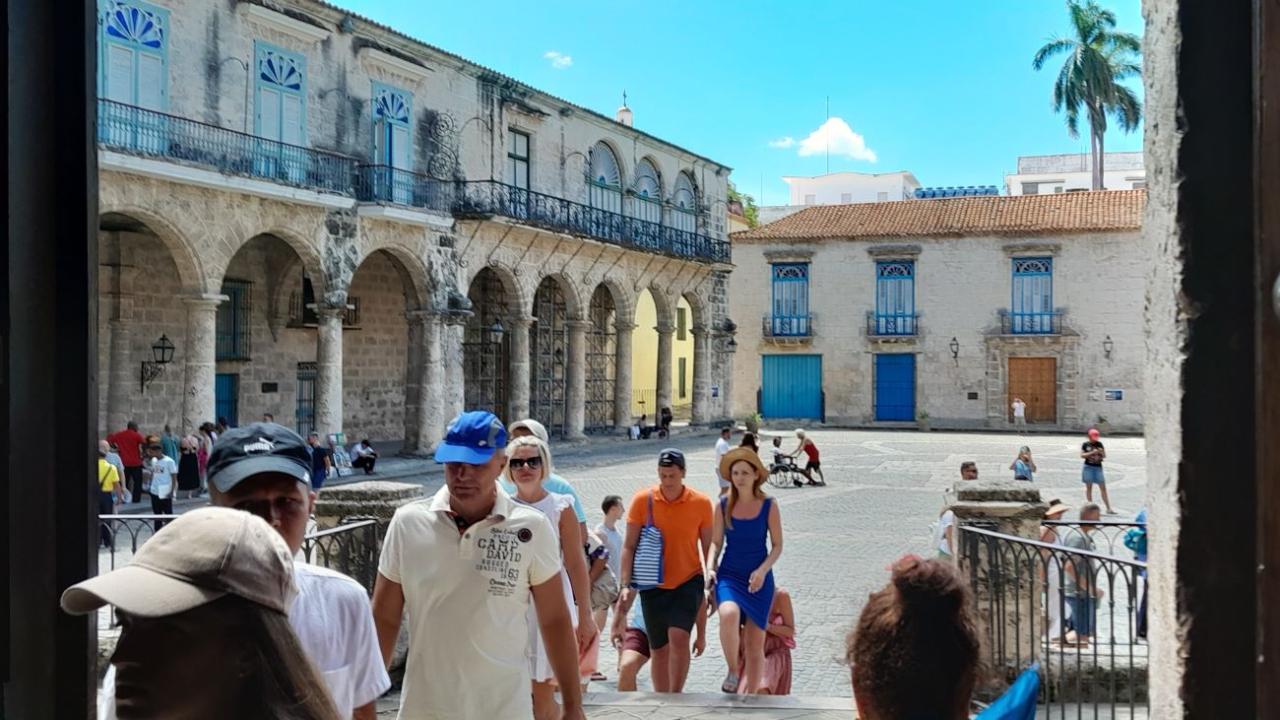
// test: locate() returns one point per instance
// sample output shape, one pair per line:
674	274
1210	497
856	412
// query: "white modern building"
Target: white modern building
1048	174
842	188
943	310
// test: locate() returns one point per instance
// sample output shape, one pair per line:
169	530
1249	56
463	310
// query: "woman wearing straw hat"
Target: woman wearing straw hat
1057	608
742	581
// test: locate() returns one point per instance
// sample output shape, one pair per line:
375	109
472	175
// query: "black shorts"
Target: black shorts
674	608
813	465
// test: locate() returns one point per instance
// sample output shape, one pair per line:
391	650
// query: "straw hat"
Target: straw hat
742	453
1056	508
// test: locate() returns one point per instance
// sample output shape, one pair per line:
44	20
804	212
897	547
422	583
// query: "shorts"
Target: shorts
636	641
813	465
1019	420
1092	475
674	608
1082	614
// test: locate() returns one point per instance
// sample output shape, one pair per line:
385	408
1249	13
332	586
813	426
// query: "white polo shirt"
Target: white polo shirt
467	595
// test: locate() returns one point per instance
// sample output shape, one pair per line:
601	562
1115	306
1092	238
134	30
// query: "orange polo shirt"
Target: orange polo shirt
681	522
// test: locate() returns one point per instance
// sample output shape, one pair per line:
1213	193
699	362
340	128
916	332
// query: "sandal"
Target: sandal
730	684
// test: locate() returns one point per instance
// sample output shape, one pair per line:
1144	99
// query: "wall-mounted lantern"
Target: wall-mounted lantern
162	354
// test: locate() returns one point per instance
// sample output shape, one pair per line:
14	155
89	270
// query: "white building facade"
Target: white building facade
842	188
1048	174
356	232
939	312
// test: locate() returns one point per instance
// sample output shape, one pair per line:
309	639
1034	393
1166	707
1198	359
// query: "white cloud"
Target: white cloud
835	136
559	60
783	142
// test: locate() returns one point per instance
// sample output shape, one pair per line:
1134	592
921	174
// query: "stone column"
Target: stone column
622	381
454	373
119	373
413	381
1003	574
665	337
726	381
329	369
576	380
198	401
701	375
432	425
518	397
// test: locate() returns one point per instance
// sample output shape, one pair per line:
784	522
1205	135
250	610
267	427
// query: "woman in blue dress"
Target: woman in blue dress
742	580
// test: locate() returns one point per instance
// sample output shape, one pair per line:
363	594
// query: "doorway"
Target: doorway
1035	380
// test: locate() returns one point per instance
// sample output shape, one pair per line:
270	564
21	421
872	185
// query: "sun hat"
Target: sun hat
538	429
257	448
202	556
473	438
742	453
1056	508
671	457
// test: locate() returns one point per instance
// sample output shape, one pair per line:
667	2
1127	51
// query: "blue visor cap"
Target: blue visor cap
473	438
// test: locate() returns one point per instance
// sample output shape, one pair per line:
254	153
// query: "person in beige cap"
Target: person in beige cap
554	483
204	634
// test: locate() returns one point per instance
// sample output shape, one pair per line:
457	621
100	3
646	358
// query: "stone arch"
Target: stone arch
549	351
697	308
412	271
624	301
515	297
307	254
601	359
575	306
486	348
191	271
663	303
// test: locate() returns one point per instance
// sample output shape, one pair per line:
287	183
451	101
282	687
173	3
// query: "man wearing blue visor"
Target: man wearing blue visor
466	563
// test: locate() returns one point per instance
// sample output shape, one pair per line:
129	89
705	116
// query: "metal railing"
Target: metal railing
1107	535
1047	322
787	326
481	198
385	184
1041	602
892	324
139	131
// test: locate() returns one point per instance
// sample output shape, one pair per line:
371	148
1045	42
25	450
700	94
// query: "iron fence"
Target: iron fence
139	131
1048	322
892	324
383	183
1077	612
1107	535
481	198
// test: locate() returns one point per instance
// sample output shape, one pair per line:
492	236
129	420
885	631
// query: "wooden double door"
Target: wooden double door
1035	380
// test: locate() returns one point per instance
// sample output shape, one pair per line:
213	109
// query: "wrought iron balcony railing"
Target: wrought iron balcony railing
1047	322
382	183
787	326
145	132
892	324
486	197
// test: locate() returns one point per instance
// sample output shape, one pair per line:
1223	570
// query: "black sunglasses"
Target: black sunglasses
533	463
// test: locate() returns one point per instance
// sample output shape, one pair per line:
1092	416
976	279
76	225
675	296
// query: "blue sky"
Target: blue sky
942	88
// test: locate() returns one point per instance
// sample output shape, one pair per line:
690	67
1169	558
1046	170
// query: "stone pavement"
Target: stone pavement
655	706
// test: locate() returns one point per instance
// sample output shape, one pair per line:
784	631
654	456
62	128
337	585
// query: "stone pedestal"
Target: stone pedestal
665	337
701	413
374	498
329	369
1003	574
622	381
198	401
518	397
576	382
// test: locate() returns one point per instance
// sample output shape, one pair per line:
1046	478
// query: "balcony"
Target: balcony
148	133
485	198
1047	322
385	184
784	328
892	325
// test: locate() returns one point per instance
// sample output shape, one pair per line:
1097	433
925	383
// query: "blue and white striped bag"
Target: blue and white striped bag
646	566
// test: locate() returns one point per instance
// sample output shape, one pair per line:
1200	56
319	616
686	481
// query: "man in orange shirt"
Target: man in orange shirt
683	516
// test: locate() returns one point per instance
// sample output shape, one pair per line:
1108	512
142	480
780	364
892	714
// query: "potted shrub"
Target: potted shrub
752	422
922	421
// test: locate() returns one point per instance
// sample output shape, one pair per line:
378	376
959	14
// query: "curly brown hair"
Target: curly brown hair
915	649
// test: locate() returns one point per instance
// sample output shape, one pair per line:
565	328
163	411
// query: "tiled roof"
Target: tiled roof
1072	212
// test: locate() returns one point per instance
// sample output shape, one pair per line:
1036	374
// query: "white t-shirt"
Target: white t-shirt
162	470
613	541
722	447
940	538
468	594
359	450
1019	408
334	624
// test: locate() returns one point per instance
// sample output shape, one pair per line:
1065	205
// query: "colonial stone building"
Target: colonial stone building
309	214
941	311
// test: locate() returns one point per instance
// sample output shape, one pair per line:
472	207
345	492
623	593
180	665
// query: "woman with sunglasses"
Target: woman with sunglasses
528	465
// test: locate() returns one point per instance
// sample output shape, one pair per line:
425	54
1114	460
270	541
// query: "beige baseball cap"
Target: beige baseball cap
203	555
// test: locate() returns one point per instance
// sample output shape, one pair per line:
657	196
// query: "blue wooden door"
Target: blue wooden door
792	387
226	397
896	386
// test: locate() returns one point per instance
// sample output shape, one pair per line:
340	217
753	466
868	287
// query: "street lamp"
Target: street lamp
496	331
1107	347
955	350
162	354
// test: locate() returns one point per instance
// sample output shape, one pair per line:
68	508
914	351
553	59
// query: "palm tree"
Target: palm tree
1098	59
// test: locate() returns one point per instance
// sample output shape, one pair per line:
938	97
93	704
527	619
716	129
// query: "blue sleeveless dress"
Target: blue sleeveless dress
746	546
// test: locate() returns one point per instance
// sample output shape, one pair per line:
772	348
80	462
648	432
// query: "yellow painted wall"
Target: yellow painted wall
644	359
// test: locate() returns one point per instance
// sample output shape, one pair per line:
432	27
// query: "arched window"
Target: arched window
684	204
604	179
647	191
